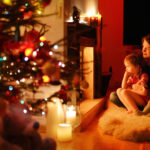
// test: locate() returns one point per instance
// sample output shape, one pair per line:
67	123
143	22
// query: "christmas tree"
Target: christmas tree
27	59
24	50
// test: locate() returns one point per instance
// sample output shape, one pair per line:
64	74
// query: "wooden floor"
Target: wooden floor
93	139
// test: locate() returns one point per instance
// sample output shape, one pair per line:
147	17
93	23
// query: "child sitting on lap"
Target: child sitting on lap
134	73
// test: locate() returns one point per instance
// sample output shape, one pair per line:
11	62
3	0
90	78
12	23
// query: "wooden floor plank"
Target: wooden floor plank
93	139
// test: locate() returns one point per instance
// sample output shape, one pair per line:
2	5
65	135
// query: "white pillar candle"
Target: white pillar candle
64	132
71	115
55	115
52	119
61	114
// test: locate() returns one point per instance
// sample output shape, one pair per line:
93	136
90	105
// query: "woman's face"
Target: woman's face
146	49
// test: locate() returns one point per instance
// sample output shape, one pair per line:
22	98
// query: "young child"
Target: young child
134	73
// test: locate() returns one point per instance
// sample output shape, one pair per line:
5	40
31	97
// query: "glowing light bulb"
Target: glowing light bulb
30	108
43	113
41	43
26	4
26	58
45	78
45	99
12	64
7	2
22	101
28	51
4	58
25	111
34	68
63	65
17	82
60	63
34	63
50	53
11	88
42	38
39	12
22	80
34	53
55	46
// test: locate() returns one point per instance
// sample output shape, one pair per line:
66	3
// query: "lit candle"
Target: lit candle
64	132
55	115
71	115
99	18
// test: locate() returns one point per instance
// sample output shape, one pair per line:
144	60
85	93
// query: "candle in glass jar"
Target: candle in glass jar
64	132
71	115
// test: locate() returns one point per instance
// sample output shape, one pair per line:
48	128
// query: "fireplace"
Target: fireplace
84	42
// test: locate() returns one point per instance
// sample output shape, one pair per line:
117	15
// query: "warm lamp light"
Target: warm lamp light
28	51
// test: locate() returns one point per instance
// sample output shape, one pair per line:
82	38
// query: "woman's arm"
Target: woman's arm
124	80
140	89
141	86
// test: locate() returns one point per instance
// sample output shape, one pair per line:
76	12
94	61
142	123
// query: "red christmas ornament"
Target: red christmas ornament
12	46
32	36
26	45
7	93
13	99
27	15
63	95
49	68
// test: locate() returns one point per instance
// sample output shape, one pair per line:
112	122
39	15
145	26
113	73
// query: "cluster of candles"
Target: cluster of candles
60	123
91	19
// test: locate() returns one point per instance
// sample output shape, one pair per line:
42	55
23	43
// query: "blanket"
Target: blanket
117	122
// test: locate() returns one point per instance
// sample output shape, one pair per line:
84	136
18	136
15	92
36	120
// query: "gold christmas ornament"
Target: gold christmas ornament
49	68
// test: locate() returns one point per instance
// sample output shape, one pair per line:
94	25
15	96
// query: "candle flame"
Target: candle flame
64	125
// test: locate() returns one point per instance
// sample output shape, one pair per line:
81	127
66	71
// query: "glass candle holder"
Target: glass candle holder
73	116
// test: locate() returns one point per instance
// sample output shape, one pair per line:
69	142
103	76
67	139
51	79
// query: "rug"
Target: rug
117	122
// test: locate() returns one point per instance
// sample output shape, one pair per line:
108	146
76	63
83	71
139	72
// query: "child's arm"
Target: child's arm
124	80
139	89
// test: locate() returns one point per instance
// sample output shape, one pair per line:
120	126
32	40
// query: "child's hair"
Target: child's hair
135	59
